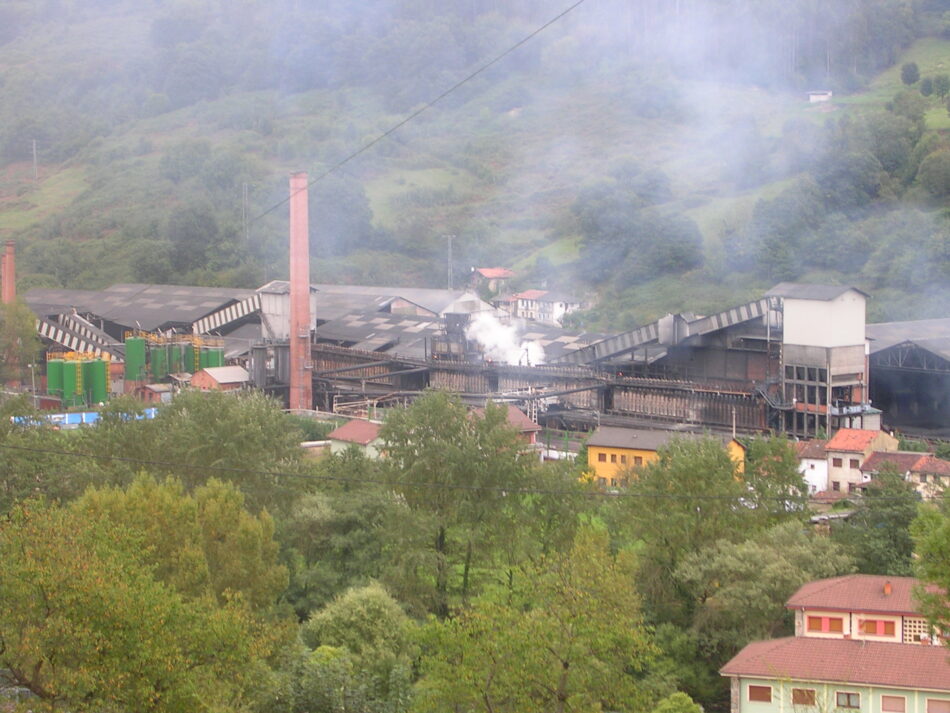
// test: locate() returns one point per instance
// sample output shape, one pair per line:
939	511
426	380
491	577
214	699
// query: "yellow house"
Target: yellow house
611	450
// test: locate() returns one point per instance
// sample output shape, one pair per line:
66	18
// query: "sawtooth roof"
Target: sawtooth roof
844	661
857	593
804	291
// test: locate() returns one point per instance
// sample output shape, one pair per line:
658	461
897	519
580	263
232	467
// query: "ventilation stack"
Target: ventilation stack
8	275
301	385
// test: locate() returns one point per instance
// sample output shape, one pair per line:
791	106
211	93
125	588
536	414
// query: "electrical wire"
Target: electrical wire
738	499
428	105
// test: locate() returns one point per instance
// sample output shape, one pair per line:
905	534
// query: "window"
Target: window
601	457
852	487
761	694
613	457
893	704
638	460
806	697
935	705
854	463
800	373
877	627
825	624
623	459
835	485
812	374
836	462
845	699
789	372
923	477
602	481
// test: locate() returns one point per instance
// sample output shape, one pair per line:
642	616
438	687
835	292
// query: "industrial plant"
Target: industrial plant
799	360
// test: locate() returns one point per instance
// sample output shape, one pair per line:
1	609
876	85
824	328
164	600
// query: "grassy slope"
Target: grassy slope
511	171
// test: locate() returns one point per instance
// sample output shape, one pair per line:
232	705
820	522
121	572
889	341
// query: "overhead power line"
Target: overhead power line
170	465
428	105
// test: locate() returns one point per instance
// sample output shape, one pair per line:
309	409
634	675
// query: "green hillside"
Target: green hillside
593	158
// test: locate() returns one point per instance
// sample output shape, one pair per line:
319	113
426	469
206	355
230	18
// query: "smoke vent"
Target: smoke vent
301	384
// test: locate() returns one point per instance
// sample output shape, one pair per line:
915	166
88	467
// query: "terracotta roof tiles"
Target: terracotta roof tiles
852	440
858	593
814	449
844	661
356	431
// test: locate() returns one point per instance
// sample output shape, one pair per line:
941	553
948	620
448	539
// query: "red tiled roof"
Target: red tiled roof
356	431
516	418
531	294
931	464
844	661
494	273
857	593
814	449
852	440
903	460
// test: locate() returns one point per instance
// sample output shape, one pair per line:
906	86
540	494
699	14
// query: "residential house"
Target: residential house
221	378
611	451
929	475
363	435
494	279
544	306
860	646
848	449
813	464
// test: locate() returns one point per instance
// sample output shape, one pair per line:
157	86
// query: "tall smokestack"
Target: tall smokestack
8	275
301	385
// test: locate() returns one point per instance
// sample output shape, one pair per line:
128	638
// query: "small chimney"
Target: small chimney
8	275
887	589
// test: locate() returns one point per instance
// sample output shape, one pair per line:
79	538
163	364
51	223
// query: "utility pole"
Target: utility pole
450	238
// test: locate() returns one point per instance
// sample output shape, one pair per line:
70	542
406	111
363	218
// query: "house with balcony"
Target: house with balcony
860	646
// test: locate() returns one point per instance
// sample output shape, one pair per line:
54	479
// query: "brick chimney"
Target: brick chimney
301	384
887	589
8	274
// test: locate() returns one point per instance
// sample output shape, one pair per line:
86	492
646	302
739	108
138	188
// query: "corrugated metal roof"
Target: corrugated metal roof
888	334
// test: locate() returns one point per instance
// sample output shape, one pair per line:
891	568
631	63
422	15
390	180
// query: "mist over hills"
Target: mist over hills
660	155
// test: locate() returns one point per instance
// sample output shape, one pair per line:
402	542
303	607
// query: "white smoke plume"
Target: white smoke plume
501	341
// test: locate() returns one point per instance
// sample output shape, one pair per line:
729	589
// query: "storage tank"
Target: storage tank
203	358
158	357
54	377
72	372
135	359
174	358
216	356
96	381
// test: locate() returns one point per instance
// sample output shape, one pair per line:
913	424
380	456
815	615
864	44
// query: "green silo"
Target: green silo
216	356
158	357
203	358
135	359
54	377
190	358
174	358
72	372
96	381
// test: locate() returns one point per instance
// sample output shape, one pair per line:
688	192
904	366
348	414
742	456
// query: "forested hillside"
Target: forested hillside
658	155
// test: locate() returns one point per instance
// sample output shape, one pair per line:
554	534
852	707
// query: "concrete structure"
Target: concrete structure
824	357
847	451
612	452
360	434
860	645
221	378
813	464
